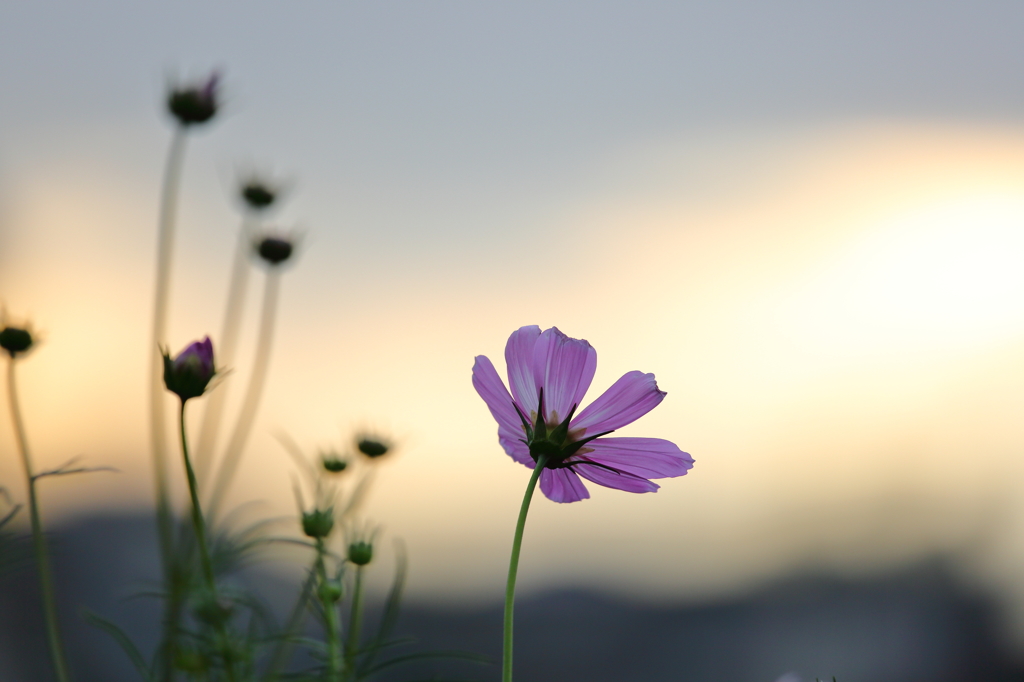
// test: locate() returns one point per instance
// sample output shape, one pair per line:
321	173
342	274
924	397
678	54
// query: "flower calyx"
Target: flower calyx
318	523
552	445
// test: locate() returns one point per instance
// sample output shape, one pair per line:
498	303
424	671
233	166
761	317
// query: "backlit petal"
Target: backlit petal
645	457
562	485
619	480
519	361
564	367
510	427
631	397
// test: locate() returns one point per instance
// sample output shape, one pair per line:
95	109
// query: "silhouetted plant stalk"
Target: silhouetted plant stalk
228	342
38	540
204	551
157	425
513	570
329	595
254	391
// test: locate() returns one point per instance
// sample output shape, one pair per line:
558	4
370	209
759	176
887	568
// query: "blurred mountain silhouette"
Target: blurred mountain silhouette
915	625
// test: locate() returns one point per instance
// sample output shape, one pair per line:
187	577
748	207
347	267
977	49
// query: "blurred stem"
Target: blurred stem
39	542
282	650
239	437
330	607
204	551
227	343
355	623
157	425
513	569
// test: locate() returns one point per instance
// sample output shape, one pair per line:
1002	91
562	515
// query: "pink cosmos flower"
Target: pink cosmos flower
549	374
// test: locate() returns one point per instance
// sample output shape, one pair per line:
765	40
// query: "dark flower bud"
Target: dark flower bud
360	552
196	103
190	372
274	250
258	195
373	447
318	523
15	340
333	463
330	591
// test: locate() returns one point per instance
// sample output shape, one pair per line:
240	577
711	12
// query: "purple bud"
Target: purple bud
188	374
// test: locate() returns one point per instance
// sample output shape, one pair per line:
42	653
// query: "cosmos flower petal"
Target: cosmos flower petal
519	360
562	485
631	397
620	480
645	457
510	427
564	367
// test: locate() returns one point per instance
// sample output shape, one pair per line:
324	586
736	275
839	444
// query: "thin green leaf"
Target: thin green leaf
123	640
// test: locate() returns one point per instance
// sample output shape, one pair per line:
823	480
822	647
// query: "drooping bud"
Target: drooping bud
274	250
332	463
258	195
360	552
318	523
190	372
15	340
373	446
195	103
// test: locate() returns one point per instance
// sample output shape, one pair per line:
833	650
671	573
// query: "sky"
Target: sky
805	218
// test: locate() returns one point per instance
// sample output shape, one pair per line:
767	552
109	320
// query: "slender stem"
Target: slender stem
157	417
283	648
247	415
204	552
513	569
355	623
39	542
334	658
227	343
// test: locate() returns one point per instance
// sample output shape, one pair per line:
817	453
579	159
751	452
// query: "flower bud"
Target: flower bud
372	446
15	340
318	523
212	610
196	103
330	591
333	463
360	552
274	250
258	195
190	372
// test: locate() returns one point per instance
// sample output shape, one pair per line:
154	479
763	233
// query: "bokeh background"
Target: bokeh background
806	218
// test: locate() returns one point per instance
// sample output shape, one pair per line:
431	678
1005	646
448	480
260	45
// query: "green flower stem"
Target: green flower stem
204	552
39	542
227	342
334	657
513	569
355	623
157	424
